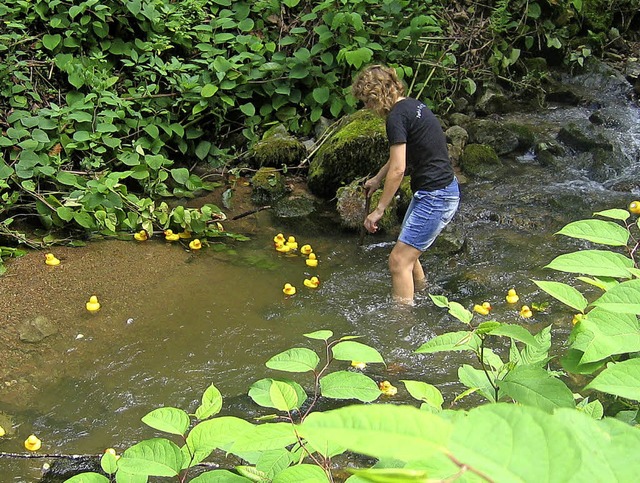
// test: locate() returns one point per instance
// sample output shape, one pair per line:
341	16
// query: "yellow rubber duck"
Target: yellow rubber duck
387	389
525	312
312	261
142	235
358	364
93	305
195	244
32	443
512	296
283	247
50	259
2	432
184	234
292	243
288	289
279	238
483	309
306	249
170	236
312	282
634	207
577	318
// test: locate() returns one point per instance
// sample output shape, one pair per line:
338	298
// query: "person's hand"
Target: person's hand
371	221
370	186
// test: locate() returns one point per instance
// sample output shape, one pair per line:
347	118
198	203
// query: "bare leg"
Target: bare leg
402	261
419	279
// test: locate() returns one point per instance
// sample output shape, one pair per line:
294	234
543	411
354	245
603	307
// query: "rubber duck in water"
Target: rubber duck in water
306	249
512	296
483	309
170	236
279	238
387	389
292	243
93	305
283	248
288	289
312	282
312	261
32	443
195	244
50	259
525	312
142	235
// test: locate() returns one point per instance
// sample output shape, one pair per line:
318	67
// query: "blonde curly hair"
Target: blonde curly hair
378	87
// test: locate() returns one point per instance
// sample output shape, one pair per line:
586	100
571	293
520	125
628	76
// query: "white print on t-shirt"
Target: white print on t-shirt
419	110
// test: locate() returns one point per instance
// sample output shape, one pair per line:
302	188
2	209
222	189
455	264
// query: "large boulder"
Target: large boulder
357	149
277	148
480	160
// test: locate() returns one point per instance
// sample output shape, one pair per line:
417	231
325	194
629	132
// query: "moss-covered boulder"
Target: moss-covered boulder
277	148
351	208
268	186
480	160
357	149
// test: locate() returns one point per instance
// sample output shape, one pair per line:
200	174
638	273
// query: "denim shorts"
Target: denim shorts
428	213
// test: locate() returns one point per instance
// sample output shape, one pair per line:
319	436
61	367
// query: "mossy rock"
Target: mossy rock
480	160
358	149
277	148
351	204
268	186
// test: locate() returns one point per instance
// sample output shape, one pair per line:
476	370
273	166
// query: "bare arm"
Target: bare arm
393	174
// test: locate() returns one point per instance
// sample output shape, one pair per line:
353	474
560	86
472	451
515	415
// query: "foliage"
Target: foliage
545	435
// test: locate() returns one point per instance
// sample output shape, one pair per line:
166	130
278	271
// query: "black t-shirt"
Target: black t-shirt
412	122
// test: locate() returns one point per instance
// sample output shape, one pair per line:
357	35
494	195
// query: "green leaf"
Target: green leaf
248	109
40	136
283	395
597	263
321	95
214	433
65	214
355	351
90	477
425	392
566	294
516	332
460	313
152	130
180	175
294	360
597	231
265	437
615	214
84	219
319	335
451	341
380	431
304	473
620	379
153	457
170	420
349	385
623	298
219	476
601	334
273	462
50	42
594	409
211	403
109	463
208	90
477	380
260	392
535	387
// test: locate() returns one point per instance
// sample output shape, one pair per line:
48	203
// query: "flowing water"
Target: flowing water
216	316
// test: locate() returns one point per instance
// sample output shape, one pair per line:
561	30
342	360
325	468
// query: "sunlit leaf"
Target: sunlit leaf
88	478
304	473
451	341
535	387
623	298
614	214
349	385
597	263
294	360
153	457
355	351
597	231
219	476
169	420
320	335
264	437
620	379
425	392
211	403
566	294
214	433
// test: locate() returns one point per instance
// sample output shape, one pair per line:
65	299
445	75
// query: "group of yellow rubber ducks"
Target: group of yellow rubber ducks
512	297
32	443
170	236
92	305
290	245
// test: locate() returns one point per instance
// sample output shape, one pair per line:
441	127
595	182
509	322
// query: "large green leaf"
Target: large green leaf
349	385
88	478
304	473
211	403
260	392
273	462
320	335
214	433
614	214
601	334
169	420
451	341
219	476
620	379
380	430
535	387
516	332
566	294
355	351
623	298
283	395
265	437
477	379
152	457
597	231
294	360
598	263
425	392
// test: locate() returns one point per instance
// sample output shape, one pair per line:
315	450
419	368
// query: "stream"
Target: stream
174	322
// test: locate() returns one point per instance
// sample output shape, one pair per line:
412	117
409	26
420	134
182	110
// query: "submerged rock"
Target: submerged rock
268	186
480	160
62	469
36	330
